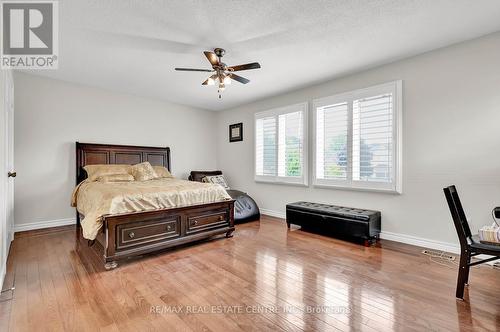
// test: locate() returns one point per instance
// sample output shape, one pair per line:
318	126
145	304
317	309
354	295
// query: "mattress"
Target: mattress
97	199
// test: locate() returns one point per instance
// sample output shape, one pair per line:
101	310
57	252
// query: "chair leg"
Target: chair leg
463	272
468	270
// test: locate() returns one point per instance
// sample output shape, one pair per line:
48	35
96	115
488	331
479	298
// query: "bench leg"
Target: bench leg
368	243
371	241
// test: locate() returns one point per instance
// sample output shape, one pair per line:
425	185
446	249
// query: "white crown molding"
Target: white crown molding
44	224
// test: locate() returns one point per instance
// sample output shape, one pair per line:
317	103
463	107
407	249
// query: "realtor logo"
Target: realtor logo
29	35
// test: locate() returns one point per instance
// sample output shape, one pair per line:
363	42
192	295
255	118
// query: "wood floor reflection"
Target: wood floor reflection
265	278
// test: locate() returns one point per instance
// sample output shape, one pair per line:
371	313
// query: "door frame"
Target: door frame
7	205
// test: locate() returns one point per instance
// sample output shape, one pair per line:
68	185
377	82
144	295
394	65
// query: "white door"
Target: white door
6	167
11	174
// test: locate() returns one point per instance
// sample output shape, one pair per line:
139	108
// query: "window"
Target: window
357	139
281	145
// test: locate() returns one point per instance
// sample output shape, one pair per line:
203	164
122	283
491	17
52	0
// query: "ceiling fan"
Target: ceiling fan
222	73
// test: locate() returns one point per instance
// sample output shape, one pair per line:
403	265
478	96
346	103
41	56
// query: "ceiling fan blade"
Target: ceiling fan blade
239	78
212	58
214	76
194	69
253	65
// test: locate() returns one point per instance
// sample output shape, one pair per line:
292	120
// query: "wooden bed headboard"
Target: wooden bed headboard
92	154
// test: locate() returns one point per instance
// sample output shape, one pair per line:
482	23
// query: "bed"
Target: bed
124	235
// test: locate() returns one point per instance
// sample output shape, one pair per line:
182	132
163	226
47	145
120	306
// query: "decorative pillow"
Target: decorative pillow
217	179
95	171
162	172
143	172
116	178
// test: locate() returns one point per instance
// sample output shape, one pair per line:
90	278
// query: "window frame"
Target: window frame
276	112
396	88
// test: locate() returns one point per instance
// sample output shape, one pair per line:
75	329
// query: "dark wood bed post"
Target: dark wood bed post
133	234
77	178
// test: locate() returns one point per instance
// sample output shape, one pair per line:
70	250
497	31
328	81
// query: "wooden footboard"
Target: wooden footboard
133	234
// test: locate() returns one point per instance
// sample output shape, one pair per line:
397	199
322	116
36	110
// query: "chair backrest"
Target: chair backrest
458	215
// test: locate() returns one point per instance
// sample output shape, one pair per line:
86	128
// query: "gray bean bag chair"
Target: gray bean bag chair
245	208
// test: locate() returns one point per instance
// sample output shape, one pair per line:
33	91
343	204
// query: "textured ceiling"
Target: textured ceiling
133	46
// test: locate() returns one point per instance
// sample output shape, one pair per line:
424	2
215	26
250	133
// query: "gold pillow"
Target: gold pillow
162	172
116	178
143	172
95	171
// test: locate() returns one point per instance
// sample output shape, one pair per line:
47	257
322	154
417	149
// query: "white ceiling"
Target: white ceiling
133	46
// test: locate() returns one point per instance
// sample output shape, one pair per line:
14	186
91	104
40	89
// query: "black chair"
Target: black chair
469	244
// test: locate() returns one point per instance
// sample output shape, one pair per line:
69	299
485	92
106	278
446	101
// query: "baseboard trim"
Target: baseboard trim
420	242
3	268
3	272
396	237
273	213
44	224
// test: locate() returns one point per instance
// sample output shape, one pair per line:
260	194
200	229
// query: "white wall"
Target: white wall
451	111
51	115
451	136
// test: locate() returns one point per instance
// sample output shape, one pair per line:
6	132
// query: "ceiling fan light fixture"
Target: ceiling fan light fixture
222	75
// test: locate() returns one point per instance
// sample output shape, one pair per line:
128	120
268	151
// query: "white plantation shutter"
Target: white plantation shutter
372	138
331	139
290	148
358	139
266	146
281	145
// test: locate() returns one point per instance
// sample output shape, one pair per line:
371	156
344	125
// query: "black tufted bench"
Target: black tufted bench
339	220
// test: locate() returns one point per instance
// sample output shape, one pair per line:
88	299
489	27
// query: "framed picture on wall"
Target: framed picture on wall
236	132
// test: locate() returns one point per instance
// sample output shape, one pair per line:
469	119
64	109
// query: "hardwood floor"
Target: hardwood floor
265	278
